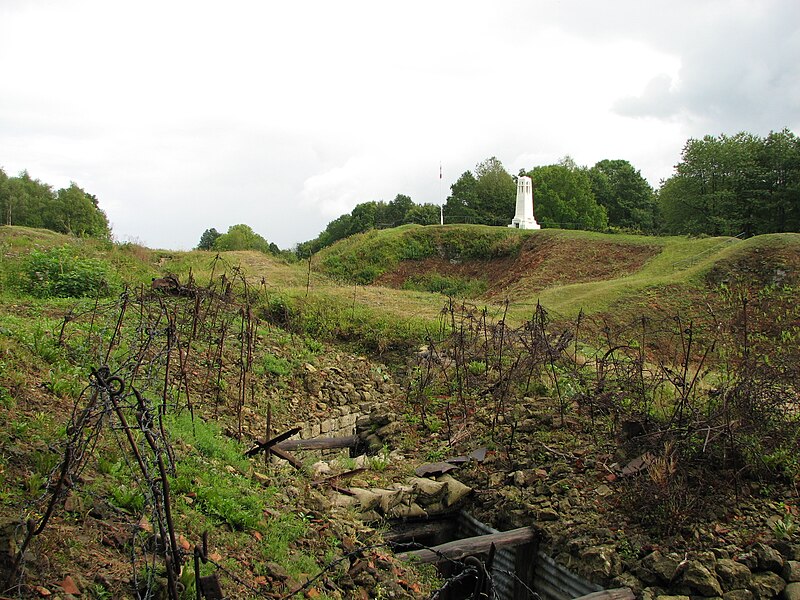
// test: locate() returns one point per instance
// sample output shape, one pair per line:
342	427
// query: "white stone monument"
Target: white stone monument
523	218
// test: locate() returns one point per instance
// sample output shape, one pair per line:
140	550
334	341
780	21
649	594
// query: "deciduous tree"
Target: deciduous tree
563	198
627	197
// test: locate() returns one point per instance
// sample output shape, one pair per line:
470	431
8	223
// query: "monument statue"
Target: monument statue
523	218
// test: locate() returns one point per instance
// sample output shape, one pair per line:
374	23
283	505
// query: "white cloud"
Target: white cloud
185	115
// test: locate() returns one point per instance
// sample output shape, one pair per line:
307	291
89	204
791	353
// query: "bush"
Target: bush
60	273
447	285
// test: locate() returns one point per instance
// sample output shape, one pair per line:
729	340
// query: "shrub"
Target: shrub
60	273
447	285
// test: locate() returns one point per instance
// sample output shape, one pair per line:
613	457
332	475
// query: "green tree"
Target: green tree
627	197
462	203
423	214
208	238
30	201
563	197
496	191
396	210
241	237
488	197
76	212
363	217
5	199
779	158
728	185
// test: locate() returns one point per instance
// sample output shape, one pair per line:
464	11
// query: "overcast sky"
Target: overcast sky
184	115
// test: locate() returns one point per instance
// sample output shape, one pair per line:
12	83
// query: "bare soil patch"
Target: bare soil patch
542	262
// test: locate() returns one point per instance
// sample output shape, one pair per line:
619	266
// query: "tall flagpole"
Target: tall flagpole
441	206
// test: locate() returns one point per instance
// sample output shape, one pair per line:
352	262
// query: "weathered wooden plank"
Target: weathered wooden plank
613	594
319	443
458	549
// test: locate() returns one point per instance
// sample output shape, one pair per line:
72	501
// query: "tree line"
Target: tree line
238	237
731	185
612	193
723	185
29	202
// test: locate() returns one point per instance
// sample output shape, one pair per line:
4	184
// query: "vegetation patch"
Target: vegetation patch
446	285
365	257
62	273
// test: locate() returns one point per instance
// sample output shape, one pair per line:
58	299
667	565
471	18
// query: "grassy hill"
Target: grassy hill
388	287
245	334
568	271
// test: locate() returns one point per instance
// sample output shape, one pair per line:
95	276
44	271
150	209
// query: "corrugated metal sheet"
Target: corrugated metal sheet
551	580
504	559
554	582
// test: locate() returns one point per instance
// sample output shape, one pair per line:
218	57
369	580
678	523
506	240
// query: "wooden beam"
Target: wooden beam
614	594
459	549
319	443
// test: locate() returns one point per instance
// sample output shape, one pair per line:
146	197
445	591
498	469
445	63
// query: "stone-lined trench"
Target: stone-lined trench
343	406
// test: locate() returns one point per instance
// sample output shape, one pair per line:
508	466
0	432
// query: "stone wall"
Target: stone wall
339	395
759	572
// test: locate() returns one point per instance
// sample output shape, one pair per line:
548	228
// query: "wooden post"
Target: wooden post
268	434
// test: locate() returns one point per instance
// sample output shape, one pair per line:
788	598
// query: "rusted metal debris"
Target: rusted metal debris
438	468
319	443
449	464
613	594
336	478
637	465
265	446
287	456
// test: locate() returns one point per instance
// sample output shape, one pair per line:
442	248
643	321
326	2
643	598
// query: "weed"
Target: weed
7	401
35	483
477	367
785	528
127	498
347	463
434	424
279	533
98	591
44	462
380	462
19	427
274	365
436	454
110	466
61	273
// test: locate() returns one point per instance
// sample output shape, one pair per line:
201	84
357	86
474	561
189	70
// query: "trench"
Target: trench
515	572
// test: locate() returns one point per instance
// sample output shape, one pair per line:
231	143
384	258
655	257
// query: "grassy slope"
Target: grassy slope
31	362
215	489
677	263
